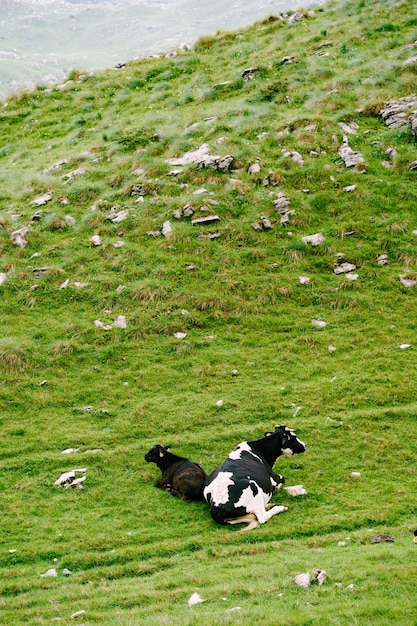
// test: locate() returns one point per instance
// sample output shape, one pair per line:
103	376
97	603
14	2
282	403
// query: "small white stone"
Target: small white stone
96	240
331	348
219	403
77	614
119	244
404	346
314	240
350	276
319	323
70	450
66	572
120	322
296	490
355	474
341	544
195	599
349	188
3	278
99	324
180	335
303	580
50	573
12	551
303	280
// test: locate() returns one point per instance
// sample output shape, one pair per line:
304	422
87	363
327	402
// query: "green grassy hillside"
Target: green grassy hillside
91	359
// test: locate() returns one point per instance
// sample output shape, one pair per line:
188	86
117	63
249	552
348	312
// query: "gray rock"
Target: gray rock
349	156
41	200
208	219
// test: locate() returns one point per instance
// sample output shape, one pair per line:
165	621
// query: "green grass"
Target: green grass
135	553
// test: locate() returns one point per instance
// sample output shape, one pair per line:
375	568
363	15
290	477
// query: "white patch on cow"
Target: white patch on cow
287	451
243	447
218	488
275	484
256	504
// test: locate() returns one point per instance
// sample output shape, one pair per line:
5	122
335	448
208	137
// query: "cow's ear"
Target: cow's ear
161	454
268	434
167	447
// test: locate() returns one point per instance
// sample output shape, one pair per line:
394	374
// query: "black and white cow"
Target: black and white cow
180	476
240	489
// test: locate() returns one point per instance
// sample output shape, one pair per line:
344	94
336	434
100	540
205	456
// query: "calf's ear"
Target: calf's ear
268	434
161	454
167	447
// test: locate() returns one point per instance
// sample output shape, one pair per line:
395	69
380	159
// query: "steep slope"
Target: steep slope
149	301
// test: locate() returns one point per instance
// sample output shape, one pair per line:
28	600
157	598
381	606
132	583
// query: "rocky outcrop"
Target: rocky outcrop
401	112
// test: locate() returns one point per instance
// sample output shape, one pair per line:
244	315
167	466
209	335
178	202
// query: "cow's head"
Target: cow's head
290	444
156	453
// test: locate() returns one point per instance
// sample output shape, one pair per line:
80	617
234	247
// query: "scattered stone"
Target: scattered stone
303	580
78	614
153	233
349	156
36	217
180	335
79	285
331	348
117	217
65	284
304	280
295	17
3	278
18	237
413	166
208	219
313	240
55	166
50	573
344	268
70	220
254	168
138	189
209	235
355	474
297	158
41	200
320	575
350	276
167	230
69	479
71	175
341	544
70	450
319	323
195	599
349	188
282	203
296	490
66	572
350	128
193	156
43	383
119	244
96	240
120	322
407	282
405	346
391	152
100	324
396	113
382	259
200	191
382	539
249	73
12	551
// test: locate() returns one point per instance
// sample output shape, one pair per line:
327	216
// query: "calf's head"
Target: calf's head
156	453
